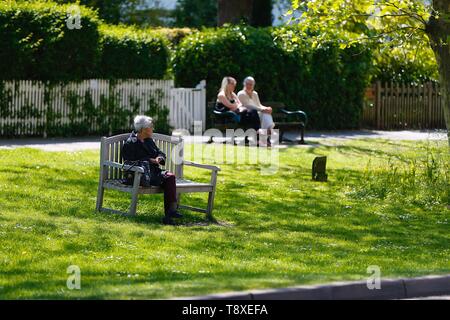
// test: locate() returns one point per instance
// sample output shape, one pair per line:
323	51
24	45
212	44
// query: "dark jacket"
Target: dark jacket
136	150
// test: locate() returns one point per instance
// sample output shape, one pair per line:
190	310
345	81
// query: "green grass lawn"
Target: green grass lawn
386	204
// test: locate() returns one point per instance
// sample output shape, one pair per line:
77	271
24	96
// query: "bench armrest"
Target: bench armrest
123	166
298	113
201	166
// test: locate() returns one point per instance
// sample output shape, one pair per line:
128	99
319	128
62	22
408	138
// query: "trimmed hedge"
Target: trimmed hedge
173	35
327	83
37	44
131	53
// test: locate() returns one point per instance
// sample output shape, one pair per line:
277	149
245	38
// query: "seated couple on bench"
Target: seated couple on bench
246	108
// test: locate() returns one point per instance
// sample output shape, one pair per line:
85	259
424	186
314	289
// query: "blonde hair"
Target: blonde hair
225	82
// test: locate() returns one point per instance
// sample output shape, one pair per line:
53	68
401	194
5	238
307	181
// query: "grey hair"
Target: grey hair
142	122
249	79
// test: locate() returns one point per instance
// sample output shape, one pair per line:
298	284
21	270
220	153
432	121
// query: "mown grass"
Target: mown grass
386	204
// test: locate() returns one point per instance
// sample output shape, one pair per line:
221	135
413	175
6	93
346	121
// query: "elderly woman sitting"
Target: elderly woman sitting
250	100
141	147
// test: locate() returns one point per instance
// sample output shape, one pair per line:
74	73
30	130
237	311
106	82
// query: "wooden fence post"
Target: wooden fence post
378	104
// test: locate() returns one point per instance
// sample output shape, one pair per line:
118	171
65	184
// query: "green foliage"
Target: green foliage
128	52
173	35
196	13
395	31
160	114
111	11
389	23
154	16
428	174
405	64
328	82
36	43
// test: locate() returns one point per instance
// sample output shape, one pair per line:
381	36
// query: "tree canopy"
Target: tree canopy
383	24
392	23
196	13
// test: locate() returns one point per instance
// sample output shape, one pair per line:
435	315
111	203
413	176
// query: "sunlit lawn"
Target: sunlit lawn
385	204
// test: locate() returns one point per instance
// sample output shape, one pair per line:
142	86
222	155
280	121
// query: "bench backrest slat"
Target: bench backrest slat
111	150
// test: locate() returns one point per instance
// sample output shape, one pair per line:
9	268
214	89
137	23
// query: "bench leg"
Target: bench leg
100	194
211	195
281	136
134	201
302	139
178	199
135	193
209	210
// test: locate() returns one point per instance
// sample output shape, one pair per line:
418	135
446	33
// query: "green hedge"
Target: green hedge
131	53
327	83
37	44
173	35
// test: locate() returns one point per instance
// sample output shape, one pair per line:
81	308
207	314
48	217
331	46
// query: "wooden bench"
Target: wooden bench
112	169
284	119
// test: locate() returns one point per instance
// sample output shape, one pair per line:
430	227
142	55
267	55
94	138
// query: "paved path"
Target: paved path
374	134
419	288
74	145
62	144
432	298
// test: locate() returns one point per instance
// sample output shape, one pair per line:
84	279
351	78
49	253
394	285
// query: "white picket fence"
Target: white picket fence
188	105
26	106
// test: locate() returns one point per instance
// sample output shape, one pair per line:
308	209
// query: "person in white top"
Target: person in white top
250	100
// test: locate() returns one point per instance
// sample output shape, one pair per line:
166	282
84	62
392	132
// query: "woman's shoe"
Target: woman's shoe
175	214
168	221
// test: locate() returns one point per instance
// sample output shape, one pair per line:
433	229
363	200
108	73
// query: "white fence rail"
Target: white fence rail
34	108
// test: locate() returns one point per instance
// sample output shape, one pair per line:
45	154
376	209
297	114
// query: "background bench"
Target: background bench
284	119
112	173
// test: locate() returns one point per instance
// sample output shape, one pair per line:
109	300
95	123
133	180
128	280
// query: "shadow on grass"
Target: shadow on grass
319	148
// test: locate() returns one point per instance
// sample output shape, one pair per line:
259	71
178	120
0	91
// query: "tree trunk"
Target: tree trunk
234	11
262	13
438	30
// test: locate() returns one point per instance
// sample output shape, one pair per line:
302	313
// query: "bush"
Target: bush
173	35
128	52
405	65
327	83
195	13
37	44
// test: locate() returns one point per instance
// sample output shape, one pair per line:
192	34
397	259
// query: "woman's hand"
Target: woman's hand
233	106
157	160
267	110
